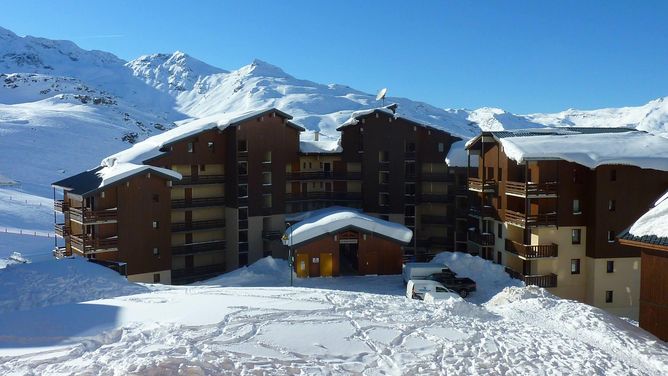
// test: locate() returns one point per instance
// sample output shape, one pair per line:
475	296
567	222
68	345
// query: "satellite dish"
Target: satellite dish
381	95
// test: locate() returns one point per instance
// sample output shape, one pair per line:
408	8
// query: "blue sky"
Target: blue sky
523	56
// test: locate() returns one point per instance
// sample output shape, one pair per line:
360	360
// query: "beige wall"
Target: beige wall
624	282
354	186
165	277
212	190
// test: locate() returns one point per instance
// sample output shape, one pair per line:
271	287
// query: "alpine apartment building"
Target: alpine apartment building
212	195
548	204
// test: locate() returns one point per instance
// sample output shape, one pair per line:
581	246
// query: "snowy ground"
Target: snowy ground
323	326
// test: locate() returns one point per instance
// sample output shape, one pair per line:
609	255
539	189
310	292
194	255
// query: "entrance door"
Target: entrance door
369	263
194	172
189	195
302	265
189	219
348	262
327	167
326	264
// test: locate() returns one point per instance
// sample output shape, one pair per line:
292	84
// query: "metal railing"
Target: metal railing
335	196
198	247
323	175
532	251
201	179
198	225
198	202
482	239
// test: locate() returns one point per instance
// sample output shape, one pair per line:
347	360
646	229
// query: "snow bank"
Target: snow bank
267	271
332	220
458	156
654	222
490	278
632	148
54	282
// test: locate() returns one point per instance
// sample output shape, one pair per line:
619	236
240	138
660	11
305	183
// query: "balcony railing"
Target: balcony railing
482	239
60	206
62	230
86	215
476	184
532	220
542	280
334	196
532	251
434	242
88	244
198	247
436	197
201	179
198	225
435	220
272	234
183	276
483	212
436	176
548	189
198	202
323	175
384	166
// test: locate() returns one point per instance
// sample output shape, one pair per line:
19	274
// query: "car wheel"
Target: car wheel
463	293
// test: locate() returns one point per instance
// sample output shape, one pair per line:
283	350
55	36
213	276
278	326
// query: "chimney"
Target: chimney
316	136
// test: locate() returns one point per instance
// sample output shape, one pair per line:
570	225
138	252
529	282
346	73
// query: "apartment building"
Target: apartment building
214	192
549	203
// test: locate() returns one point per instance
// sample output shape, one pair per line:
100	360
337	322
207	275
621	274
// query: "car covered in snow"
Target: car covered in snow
416	289
433	297
463	286
419	270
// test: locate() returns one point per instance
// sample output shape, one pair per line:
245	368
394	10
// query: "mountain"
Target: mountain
72	107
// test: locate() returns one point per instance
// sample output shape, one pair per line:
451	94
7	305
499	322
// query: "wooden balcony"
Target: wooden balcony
477	185
324	196
88	216
482	212
62	230
535	190
211	224
189	249
60	206
323	175
482	239
435	220
183	276
532	251
542	280
531	220
88	244
200	179
198	202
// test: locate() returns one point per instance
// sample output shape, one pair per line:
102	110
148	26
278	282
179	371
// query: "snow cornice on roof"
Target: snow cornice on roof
651	229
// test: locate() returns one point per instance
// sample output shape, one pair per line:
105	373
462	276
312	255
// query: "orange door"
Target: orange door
326	264
302	265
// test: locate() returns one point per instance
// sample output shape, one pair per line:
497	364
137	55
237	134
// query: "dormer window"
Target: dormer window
191	147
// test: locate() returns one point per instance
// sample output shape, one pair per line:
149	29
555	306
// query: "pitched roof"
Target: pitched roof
336	219
652	227
92	181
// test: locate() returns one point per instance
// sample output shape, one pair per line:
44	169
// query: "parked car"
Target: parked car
432	297
419	270
416	289
463	286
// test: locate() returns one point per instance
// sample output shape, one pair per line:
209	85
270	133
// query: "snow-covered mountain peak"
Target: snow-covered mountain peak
259	68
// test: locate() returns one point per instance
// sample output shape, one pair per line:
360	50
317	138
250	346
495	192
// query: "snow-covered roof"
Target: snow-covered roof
458	156
652	227
356	115
590	147
316	143
333	220
150	148
91	181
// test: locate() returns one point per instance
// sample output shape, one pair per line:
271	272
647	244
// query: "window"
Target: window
383	177
267	157
242	168
383	156
304	168
242	146
384	199
576	177
410	189
575	266
243	259
243	213
500	177
575	236
266	201
409	211
576	207
243	190
156	224
243	236
608	296
156	198
610	267
612	205
410	169
310	165
499	230
210	146
202	167
266	178
156	252
441	147
613	175
191	147
611	236
156	277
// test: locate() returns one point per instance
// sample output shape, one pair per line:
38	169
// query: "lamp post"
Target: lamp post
290	258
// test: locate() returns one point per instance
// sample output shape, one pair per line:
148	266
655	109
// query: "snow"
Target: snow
654	222
324	144
213	329
120	171
633	148
333	220
458	156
